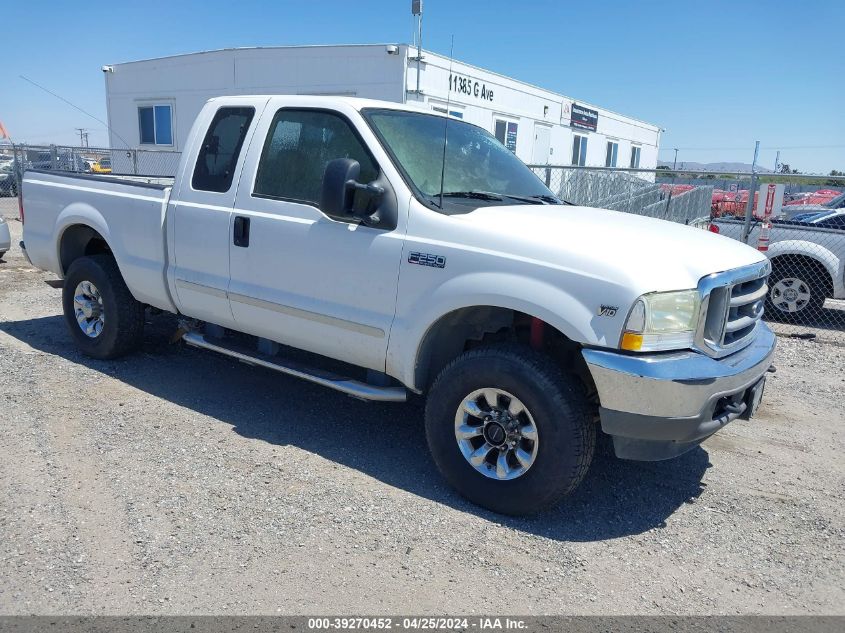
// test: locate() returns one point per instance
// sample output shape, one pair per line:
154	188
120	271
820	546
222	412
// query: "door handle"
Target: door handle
241	233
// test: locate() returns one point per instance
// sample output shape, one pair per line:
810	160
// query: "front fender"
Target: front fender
559	308
827	258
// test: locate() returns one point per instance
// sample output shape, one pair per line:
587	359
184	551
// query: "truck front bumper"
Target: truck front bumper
658	406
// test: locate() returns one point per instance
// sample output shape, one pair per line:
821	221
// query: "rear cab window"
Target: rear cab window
221	147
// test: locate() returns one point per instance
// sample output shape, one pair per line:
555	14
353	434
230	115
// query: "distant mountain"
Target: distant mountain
724	166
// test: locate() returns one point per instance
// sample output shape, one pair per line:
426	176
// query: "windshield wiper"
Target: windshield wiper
478	195
489	195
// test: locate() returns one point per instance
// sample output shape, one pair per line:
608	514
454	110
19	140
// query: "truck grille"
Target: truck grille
733	304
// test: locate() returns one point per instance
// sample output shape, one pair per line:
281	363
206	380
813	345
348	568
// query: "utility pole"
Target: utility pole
83	136
777	160
417	11
675	164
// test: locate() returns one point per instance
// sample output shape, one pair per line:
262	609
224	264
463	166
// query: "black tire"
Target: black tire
561	413
123	322
805	276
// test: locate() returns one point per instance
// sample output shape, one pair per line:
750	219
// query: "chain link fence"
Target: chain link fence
90	160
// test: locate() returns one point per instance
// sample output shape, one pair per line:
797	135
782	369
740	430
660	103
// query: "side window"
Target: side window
579	150
612	153
299	145
220	149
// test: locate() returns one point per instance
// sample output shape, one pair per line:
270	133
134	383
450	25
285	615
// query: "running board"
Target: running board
345	385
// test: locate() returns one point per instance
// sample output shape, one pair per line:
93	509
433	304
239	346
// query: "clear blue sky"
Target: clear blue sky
717	75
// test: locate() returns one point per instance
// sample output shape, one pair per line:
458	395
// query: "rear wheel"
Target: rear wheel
103	317
509	430
796	293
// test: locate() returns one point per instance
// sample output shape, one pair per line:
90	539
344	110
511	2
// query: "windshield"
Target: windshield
478	170
836	202
6	167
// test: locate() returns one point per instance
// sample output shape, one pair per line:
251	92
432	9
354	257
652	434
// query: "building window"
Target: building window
155	123
218	155
579	150
299	145
612	154
506	132
635	157
442	110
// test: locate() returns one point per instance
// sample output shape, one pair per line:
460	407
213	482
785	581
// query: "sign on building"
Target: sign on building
584	118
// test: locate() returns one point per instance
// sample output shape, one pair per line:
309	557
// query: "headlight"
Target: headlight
662	321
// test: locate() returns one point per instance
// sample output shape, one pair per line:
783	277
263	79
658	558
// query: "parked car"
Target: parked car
830	204
102	166
814	198
5	237
8	179
322	223
808	263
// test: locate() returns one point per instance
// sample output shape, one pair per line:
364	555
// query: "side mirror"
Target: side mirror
343	195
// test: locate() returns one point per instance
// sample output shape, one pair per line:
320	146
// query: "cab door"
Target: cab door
201	210
323	284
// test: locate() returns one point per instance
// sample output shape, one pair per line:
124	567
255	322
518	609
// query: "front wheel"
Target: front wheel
103	317
508	430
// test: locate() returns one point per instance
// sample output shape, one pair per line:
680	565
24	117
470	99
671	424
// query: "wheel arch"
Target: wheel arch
464	328
80	230
821	260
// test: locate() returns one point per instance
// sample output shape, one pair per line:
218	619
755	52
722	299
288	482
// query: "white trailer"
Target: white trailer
152	103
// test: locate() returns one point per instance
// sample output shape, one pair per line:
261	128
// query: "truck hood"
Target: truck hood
634	251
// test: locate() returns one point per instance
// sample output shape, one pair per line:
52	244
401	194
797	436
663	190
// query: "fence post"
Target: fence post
135	162
19	166
749	208
54	157
548	177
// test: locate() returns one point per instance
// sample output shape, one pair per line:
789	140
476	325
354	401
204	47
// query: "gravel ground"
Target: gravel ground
177	481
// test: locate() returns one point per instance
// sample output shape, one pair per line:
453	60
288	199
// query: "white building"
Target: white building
152	103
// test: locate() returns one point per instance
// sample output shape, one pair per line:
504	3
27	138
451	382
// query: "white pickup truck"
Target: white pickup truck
352	230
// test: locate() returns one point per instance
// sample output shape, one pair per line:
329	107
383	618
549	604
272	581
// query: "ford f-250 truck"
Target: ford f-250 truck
413	253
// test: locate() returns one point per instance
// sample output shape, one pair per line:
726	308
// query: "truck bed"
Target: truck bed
127	211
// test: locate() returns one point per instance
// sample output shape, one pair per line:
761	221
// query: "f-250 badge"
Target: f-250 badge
427	259
608	311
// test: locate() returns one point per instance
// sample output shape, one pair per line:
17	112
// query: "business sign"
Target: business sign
583	118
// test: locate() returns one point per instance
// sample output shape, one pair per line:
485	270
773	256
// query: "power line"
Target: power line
73	105
736	149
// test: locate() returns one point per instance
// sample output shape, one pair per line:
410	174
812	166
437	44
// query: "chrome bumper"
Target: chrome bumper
657	406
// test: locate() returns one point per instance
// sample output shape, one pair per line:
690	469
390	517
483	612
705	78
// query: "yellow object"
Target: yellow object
102	166
632	342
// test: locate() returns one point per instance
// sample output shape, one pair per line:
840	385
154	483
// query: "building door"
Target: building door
302	278
542	143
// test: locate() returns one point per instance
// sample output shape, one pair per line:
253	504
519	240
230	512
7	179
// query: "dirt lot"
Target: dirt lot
178	481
